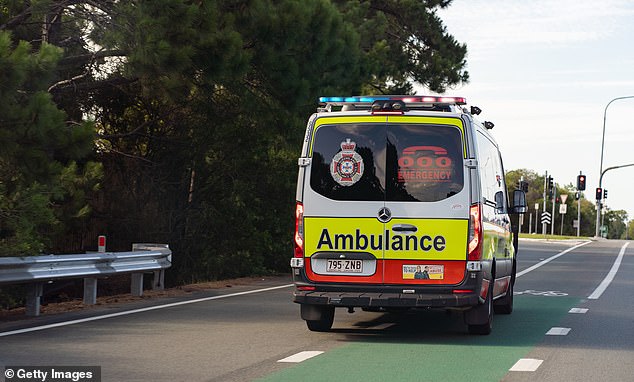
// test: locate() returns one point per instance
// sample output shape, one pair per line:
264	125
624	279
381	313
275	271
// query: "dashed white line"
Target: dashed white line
530	364
558	332
526	364
301	356
610	276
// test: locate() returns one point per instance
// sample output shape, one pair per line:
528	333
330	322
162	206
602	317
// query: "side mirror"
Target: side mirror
499	202
519	202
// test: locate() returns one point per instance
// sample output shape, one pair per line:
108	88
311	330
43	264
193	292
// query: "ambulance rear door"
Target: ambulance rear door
344	193
428	200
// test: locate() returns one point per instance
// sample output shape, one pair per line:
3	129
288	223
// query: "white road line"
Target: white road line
530	269
608	279
127	312
526	364
558	332
578	310
301	356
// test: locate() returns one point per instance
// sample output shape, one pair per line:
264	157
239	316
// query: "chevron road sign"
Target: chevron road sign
546	218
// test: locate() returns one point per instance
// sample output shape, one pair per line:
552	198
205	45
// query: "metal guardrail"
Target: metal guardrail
39	270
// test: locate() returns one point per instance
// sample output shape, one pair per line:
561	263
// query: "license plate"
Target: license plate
344	266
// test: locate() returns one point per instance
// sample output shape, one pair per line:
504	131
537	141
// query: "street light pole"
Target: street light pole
599	206
599	201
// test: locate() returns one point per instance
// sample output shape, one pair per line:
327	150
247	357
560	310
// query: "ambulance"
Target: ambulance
402	204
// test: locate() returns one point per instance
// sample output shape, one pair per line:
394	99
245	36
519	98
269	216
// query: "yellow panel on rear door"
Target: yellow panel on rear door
433	239
343	235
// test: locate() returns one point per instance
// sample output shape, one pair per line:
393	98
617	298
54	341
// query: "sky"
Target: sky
543	72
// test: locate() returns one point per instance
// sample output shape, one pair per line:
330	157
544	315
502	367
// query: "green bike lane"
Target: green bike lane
433	346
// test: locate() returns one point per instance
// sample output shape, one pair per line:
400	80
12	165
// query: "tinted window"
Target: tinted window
492	175
424	162
351	172
387	162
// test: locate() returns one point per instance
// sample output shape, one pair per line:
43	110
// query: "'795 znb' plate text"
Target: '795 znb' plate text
347	265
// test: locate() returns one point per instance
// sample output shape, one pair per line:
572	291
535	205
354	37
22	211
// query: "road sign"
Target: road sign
604	231
546	219
563	197
562	209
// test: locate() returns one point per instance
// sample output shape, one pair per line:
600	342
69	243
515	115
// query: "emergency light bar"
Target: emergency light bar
340	101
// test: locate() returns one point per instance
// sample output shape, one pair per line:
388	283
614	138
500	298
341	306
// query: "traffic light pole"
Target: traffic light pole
581	186
552	225
545	186
579	215
599	201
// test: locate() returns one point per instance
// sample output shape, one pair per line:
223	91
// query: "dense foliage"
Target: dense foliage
180	121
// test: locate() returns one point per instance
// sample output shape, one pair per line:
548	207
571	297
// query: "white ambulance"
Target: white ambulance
402	203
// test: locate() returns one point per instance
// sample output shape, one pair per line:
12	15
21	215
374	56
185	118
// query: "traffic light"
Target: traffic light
577	195
550	186
605	193
581	182
599	193
523	185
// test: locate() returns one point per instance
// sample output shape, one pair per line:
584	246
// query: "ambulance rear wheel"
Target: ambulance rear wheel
325	320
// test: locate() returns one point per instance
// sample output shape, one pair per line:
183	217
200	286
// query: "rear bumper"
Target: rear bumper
463	294
386	300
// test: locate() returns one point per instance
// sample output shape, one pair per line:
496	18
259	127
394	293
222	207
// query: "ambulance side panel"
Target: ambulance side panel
495	220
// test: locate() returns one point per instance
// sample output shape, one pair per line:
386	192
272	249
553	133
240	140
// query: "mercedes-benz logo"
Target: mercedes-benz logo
384	215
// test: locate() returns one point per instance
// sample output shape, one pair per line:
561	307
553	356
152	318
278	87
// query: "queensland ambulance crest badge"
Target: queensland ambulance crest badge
347	165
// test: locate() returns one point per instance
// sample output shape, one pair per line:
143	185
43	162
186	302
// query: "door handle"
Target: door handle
404	228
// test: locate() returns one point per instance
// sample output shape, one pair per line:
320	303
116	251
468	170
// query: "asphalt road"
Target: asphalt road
242	333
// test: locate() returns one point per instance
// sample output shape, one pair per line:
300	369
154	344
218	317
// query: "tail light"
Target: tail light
299	230
475	232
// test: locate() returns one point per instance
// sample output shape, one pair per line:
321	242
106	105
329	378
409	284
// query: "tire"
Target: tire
485	310
324	322
504	305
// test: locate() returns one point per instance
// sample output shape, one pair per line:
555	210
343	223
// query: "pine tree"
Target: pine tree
40	148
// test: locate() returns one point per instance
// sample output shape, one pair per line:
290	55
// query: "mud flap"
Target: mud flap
312	312
479	319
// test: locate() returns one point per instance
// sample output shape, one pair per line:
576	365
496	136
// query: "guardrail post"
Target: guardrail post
90	291
158	282
136	287
33	295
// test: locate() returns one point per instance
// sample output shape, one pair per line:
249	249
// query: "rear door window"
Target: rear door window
387	162
349	162
424	162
